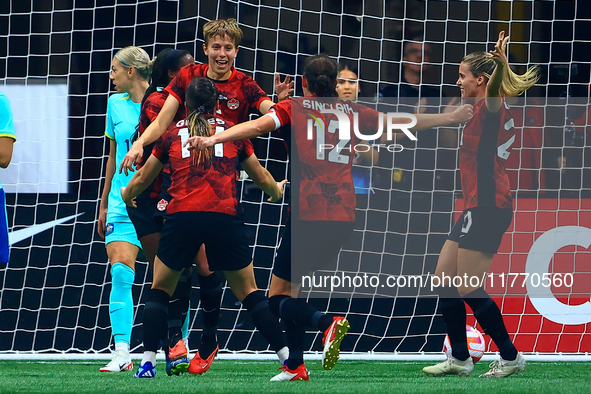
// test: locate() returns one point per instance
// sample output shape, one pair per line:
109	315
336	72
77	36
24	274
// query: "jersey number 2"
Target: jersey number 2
334	154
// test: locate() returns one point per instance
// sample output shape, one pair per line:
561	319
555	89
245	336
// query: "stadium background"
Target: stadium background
55	289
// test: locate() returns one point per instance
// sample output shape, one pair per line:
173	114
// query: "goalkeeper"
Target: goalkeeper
130	73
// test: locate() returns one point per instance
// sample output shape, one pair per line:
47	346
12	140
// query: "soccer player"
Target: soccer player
130	74
7	138
147	218
204	209
322	203
239	94
488	210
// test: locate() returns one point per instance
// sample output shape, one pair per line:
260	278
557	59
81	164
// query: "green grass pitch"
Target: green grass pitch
231	376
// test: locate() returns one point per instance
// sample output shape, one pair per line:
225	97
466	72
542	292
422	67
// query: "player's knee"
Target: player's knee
255	301
164	285
122	275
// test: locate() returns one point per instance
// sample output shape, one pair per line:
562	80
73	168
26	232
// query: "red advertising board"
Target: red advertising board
541	276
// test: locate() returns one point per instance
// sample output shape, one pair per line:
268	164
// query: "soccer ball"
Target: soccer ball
476	344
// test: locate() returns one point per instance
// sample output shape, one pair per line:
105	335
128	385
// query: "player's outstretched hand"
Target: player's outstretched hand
279	195
132	157
283	89
199	143
499	54
463	113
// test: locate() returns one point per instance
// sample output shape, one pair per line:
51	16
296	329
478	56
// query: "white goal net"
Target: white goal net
54	61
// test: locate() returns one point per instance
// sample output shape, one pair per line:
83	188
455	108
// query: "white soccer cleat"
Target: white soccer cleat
503	368
121	362
300	373
451	366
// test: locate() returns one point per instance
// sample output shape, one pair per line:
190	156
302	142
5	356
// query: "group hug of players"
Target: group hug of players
181	206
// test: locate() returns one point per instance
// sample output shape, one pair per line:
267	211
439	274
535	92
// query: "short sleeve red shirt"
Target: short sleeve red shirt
485	148
238	96
206	186
321	181
150	110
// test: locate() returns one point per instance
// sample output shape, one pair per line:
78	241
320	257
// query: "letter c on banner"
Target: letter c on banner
538	261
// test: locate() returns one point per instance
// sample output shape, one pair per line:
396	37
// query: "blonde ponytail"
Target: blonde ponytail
199	127
482	63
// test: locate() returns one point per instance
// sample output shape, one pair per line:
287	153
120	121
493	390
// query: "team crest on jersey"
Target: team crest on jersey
233	104
162	204
109	229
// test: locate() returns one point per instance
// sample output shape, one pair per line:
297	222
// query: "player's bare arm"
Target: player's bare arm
141	180
284	89
461	114
151	134
493	100
104	204
251	129
263	178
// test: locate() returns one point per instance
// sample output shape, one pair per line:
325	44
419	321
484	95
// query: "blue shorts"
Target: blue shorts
121	230
4	247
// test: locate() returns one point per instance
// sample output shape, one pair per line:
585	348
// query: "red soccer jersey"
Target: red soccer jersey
485	147
321	181
150	109
207	186
237	96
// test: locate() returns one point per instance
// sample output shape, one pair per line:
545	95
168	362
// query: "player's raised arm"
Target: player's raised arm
284	89
493	87
151	134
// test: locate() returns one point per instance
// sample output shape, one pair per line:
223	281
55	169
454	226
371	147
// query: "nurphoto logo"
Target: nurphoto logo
317	127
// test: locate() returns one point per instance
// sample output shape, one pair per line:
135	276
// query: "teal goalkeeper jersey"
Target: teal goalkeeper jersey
122	118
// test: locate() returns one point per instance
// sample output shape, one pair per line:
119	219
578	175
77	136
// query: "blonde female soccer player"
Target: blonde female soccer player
486	78
130	75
